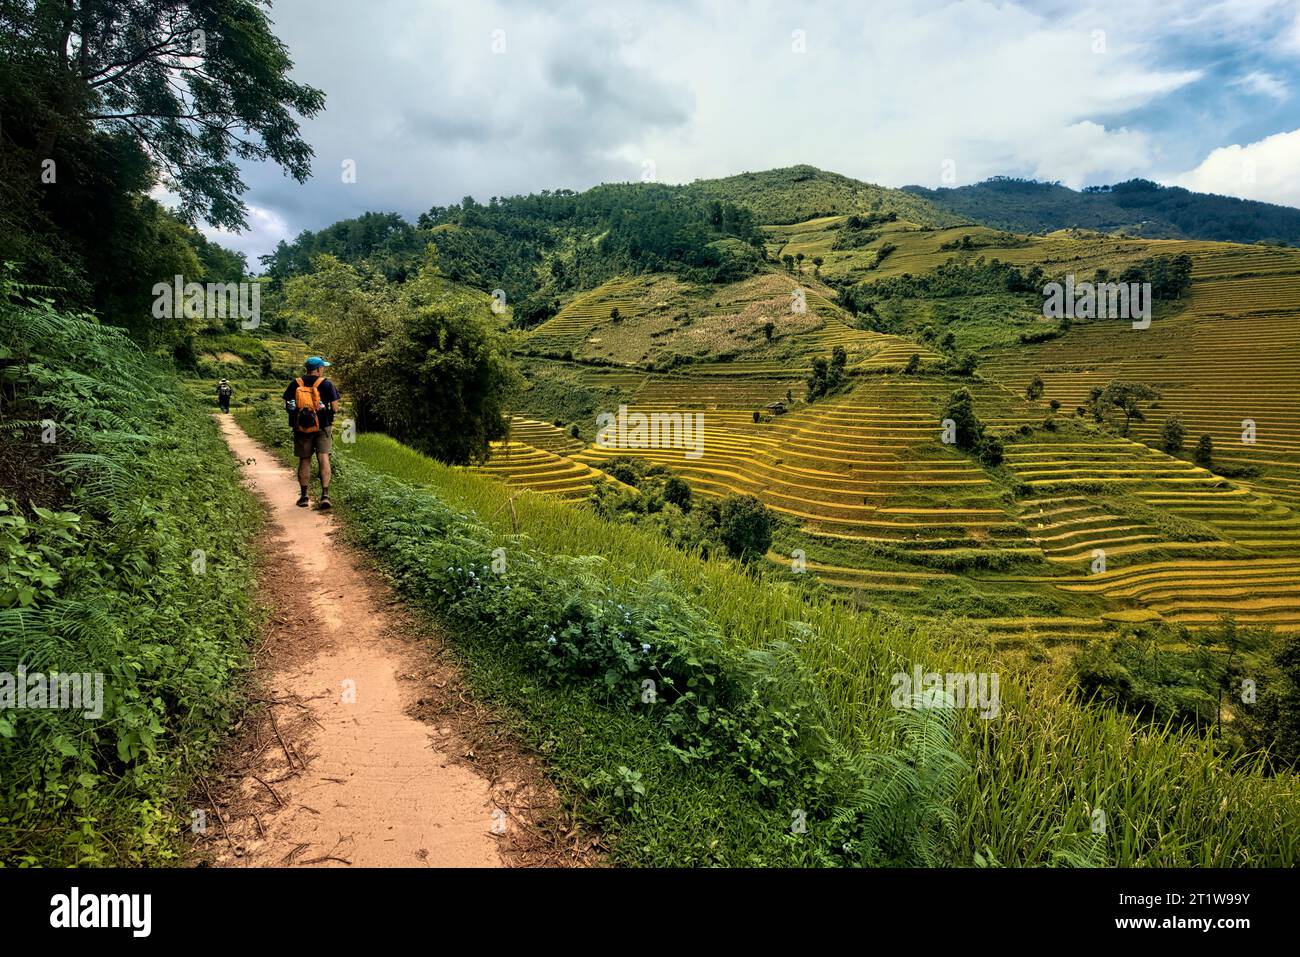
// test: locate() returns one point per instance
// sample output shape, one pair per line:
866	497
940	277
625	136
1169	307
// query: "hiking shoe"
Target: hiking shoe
324	502
303	501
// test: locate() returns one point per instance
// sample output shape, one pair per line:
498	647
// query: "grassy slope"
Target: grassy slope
1038	771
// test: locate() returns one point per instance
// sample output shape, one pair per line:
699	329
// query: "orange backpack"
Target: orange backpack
306	417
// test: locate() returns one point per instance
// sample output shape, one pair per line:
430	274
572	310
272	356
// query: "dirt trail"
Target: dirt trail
337	769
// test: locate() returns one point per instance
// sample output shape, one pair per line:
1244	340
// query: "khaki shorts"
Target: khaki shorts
320	443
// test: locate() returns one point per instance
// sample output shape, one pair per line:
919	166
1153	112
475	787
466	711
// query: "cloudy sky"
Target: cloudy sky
436	100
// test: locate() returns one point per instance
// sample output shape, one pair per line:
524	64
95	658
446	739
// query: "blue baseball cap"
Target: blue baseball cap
316	362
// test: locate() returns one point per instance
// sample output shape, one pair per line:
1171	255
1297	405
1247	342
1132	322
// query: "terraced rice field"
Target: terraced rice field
891	515
720	331
1070	528
1264	591
569	329
1228	353
543	435
1229	356
717	392
860	473
867	471
918	250
524	466
856	469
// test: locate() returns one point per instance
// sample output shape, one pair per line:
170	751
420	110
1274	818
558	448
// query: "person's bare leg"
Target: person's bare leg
324	459
304	479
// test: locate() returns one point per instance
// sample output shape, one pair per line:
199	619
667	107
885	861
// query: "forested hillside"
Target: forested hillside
1137	207
538	248
798	193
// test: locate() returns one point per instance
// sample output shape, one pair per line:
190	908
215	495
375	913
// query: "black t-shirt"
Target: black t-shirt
328	394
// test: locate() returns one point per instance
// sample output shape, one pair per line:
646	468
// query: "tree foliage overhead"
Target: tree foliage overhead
198	83
100	101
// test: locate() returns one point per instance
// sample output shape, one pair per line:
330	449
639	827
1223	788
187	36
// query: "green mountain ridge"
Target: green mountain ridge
1137	207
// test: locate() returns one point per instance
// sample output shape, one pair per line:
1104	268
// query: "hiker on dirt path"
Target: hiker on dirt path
311	401
223	394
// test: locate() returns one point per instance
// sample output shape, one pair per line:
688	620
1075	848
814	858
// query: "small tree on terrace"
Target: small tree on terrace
839	359
971	436
1204	455
1034	391
964	365
678	493
961	409
817	265
990	450
1173	435
1124	398
745	527
817	379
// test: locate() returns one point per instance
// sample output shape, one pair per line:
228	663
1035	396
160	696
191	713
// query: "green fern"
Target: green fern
901	813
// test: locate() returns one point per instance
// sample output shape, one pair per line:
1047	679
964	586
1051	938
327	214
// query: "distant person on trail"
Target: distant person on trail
223	394
311	401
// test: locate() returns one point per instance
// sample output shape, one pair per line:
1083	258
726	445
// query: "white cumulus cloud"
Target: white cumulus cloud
1267	170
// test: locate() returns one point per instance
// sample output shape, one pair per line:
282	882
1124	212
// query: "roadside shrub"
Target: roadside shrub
1272	724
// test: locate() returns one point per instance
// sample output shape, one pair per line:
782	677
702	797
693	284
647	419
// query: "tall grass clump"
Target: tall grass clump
125	551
